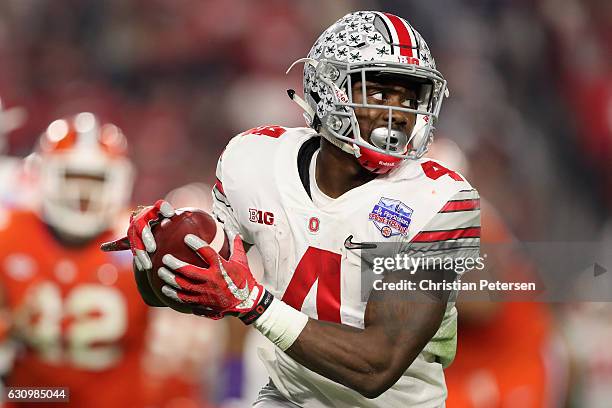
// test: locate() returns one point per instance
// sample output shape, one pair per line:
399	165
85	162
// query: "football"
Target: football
169	234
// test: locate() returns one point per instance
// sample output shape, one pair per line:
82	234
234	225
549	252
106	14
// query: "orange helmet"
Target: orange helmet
85	175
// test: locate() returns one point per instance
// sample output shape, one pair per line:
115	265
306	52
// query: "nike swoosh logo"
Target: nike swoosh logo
349	244
240	294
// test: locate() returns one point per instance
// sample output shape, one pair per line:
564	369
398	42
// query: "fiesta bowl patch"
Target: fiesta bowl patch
391	217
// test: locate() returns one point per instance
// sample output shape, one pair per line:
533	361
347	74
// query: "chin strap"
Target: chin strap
310	113
301	103
314	63
351	149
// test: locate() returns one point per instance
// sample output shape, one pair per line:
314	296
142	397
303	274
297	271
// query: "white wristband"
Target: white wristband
281	323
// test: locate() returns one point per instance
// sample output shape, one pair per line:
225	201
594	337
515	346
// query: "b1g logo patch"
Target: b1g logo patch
391	217
261	217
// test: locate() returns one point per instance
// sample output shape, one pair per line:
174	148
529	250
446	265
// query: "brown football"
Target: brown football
169	235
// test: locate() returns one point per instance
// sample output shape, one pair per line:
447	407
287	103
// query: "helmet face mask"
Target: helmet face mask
80	192
358	47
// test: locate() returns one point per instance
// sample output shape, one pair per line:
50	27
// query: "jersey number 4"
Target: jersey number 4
270	130
322	265
435	170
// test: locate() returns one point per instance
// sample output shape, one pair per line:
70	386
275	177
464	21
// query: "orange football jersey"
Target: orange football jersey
77	314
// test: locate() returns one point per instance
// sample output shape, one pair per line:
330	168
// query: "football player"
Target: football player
315	200
75	311
521	374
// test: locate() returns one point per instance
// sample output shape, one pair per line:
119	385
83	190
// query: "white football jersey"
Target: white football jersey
260	195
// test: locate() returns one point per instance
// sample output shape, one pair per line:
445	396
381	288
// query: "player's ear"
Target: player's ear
145	290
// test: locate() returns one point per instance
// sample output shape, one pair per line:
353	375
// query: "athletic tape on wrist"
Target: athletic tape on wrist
281	323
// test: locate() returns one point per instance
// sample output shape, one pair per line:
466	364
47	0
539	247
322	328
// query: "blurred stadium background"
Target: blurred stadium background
529	117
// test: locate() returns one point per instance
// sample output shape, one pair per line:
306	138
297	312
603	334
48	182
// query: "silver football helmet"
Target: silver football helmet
358	47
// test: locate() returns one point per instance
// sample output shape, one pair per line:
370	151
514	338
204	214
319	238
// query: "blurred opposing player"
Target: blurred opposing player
75	311
310	199
526	371
587	332
521	374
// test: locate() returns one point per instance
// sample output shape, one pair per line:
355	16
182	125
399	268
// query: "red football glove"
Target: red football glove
226	287
139	235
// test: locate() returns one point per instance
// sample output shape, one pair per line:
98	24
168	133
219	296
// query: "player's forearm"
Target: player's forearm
356	358
366	360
